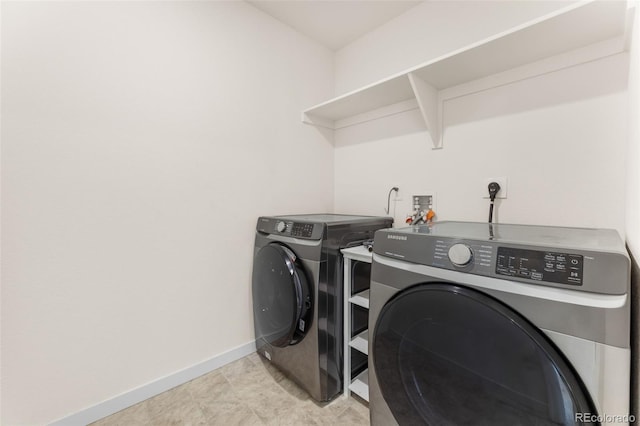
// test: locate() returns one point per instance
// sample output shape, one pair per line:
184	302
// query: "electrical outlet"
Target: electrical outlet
502	181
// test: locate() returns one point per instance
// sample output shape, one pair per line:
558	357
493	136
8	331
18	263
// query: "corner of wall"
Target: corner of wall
632	208
633	157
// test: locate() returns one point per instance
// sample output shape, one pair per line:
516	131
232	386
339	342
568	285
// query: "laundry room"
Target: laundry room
150	150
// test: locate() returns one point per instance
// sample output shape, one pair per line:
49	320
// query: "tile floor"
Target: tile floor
249	391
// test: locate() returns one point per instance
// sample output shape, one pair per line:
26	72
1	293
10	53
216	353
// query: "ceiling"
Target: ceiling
334	23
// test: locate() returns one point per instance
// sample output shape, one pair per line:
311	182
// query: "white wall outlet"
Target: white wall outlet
502	181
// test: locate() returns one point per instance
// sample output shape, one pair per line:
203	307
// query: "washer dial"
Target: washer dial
281	226
460	254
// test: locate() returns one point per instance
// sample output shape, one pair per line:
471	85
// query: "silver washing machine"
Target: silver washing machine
297	294
479	324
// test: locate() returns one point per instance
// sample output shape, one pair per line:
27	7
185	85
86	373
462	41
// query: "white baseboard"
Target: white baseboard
154	388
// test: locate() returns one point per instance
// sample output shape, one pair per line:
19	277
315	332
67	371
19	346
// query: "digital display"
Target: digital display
561	268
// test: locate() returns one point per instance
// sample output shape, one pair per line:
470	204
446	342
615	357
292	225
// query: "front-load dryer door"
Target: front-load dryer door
449	355
282	302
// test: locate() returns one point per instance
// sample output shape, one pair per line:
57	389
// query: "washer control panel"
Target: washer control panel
493	259
295	229
561	268
568	258
303	230
463	255
490	259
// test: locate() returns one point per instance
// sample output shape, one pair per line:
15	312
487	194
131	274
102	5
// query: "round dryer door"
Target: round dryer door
449	355
281	296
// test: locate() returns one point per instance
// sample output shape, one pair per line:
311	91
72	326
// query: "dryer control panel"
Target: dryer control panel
488	258
589	260
303	230
561	268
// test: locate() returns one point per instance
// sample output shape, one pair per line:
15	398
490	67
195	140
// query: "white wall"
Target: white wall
633	204
560	138
140	141
633	164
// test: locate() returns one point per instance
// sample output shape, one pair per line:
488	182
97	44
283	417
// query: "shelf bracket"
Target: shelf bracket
427	97
317	121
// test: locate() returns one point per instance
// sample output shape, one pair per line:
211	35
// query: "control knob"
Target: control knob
281	226
460	254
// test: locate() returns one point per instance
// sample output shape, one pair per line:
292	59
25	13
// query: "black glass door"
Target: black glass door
282	300
450	355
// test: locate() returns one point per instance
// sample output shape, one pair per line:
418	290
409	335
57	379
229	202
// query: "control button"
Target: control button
281	226
460	254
